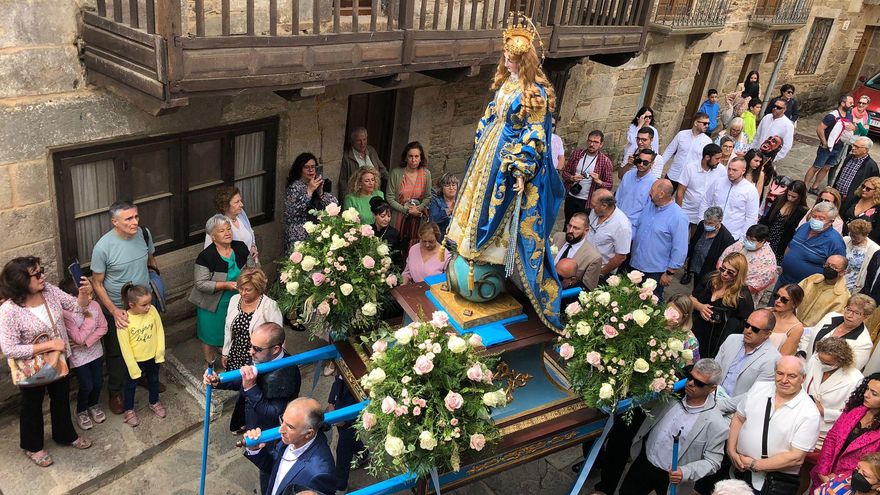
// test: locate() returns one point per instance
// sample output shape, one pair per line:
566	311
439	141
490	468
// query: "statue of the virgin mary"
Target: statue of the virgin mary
511	192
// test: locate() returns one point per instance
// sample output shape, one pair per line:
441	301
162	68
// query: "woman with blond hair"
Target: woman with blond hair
362	187
722	303
849	326
859	251
865	204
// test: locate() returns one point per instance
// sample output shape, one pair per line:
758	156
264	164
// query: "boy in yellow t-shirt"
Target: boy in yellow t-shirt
142	343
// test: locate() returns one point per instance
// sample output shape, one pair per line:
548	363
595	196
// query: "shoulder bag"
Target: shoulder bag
43	368
776	482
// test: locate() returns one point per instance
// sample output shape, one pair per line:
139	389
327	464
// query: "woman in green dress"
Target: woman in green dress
216	271
363	187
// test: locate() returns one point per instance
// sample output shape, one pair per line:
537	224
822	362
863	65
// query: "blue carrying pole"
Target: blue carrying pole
205	431
347	413
673	488
319	354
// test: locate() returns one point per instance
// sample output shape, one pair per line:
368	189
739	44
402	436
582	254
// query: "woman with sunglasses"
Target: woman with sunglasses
849	326
788	330
865	204
34	307
722	303
643	118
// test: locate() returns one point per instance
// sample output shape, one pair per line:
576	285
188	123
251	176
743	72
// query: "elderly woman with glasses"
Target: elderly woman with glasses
831	379
865	204
216	270
443	201
721	304
849	326
735	132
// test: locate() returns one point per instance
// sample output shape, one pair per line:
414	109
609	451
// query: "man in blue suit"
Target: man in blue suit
302	459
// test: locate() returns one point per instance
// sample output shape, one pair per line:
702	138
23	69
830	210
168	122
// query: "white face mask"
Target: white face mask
827	368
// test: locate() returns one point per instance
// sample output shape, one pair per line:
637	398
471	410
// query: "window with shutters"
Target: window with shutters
812	53
172	180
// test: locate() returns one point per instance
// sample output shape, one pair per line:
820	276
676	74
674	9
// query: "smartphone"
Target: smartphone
319	171
76	272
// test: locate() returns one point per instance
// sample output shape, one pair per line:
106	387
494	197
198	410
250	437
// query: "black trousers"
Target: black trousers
707	484
644	477
574	205
31	416
116	370
616	451
347	447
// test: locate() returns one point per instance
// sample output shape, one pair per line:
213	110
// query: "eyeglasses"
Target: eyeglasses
257	348
866	188
703	122
789	92
639	161
853	312
863	103
777	107
40	273
728	271
687	371
784	299
752	328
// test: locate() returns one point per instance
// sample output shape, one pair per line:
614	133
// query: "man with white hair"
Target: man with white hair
812	244
857	167
732	487
773	429
359	154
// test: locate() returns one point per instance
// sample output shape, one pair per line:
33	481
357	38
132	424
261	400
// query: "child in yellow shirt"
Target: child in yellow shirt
142	343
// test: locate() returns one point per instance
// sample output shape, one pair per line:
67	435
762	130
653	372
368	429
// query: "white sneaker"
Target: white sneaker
85	422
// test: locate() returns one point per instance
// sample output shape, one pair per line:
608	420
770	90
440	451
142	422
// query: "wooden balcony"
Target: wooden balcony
160	53
690	17
780	15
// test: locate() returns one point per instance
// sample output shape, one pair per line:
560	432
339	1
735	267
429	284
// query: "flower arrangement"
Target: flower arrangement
617	343
340	278
430	399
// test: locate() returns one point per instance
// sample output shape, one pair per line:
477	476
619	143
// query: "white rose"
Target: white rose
346	289
326	233
649	284
427	440
308	263
675	345
337	243
583	328
403	336
351	215
376	377
369	309
394	446
687	355
606	391
298	244
310	227
490	399
641	366
640	317
382	249
292	287
603	298
457	344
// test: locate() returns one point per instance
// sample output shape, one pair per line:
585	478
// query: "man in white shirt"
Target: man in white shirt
303	445
610	231
687	147
736	196
695	180
775	123
792	427
572	244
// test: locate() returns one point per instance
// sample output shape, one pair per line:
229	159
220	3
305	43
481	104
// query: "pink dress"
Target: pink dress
417	269
85	334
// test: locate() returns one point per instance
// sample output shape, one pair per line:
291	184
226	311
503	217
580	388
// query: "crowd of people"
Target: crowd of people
784	389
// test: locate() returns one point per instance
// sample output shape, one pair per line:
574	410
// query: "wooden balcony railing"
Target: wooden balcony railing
781	14
159	53
691	15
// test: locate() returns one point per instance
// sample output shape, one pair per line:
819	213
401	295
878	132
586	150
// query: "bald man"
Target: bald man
566	270
824	292
302	459
573	244
660	240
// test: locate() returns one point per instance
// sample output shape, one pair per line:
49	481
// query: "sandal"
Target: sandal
40	458
329	368
81	443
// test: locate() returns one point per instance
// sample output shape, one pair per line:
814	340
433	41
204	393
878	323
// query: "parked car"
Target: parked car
871	88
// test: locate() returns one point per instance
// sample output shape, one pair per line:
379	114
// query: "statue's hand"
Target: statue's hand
519	185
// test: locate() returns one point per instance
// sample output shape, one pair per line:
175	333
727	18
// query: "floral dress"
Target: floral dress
855	257
239	353
297	204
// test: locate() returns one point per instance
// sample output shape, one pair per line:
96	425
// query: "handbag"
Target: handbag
776	482
157	285
40	369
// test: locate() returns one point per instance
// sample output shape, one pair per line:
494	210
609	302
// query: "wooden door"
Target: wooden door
668	9
767	7
375	112
858	60
698	90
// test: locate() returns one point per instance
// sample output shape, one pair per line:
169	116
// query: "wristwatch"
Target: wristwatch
670	272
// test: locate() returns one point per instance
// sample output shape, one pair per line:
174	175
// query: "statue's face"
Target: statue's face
510	64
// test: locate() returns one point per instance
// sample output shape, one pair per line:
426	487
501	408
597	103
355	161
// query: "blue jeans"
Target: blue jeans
91	379
150	369
826	157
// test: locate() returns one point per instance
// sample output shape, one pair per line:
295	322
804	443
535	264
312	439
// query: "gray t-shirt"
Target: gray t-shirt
122	260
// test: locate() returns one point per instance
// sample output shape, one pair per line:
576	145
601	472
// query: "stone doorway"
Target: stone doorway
698	90
376	113
870	43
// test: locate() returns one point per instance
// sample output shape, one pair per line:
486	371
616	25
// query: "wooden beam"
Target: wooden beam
456	74
389	81
141	100
168	26
302	93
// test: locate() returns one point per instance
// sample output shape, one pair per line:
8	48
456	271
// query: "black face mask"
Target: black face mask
859	483
829	273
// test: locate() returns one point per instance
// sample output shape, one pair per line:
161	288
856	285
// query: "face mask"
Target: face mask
816	225
827	368
829	273
709	228
749	245
859	483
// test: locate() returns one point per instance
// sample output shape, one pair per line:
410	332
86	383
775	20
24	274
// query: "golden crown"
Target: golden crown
519	36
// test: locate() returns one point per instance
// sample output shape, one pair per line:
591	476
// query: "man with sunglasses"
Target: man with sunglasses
701	431
746	358
635	186
857	167
263	396
830	131
686	147
775	123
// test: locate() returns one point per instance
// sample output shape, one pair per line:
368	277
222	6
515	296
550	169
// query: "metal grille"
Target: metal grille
815	45
783	11
691	14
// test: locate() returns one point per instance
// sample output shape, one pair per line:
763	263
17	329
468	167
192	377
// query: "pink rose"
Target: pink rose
453	401
367	230
488	376
609	331
635	276
439	319
400	410
566	351
453	421
391	280
318	278
594	358
388	405
475	340
296	257
417	411
658	384
369	420
478	441
380	346
368	262
654	299
643	296
323	308
475	373
423	365
332	209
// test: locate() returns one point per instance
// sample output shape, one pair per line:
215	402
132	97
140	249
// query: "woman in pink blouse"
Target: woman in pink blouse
34	307
762	261
424	257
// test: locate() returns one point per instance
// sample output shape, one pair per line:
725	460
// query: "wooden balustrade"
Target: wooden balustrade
130	14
